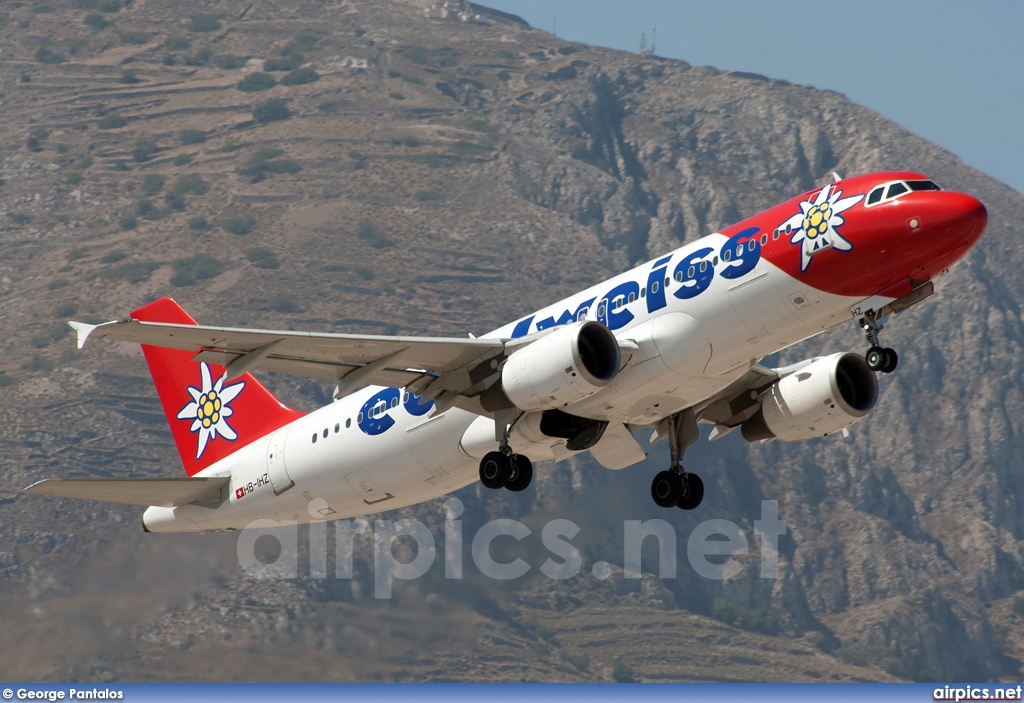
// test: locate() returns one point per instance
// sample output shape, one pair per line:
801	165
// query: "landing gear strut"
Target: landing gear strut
676	487
878	358
503	468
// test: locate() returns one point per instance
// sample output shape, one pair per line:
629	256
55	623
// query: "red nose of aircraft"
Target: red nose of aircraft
949	225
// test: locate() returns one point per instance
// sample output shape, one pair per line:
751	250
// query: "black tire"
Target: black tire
693	492
875	358
495	468
521	475
666	488
892	360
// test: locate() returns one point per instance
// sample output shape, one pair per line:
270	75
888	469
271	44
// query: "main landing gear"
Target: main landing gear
504	468
676	487
878	358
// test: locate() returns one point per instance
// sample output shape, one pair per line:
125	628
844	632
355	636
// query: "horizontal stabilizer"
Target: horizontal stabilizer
165	492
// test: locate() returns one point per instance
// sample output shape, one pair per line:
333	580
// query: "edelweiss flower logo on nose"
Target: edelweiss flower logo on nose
210	409
817	224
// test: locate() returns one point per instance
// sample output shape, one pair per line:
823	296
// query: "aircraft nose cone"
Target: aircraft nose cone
969	218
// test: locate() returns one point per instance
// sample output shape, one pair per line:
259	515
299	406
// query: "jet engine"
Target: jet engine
823	397
562	367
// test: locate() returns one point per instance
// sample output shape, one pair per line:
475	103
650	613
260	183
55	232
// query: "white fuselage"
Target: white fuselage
688	349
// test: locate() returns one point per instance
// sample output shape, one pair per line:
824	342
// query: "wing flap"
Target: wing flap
329	356
166	492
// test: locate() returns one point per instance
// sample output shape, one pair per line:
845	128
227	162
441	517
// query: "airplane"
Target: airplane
662	347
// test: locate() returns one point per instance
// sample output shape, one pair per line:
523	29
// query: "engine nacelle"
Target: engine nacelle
825	396
562	367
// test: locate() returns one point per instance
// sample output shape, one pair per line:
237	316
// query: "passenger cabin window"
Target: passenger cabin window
894	190
922	185
348	423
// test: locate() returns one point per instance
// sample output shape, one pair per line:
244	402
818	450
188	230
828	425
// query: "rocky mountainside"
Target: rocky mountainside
355	166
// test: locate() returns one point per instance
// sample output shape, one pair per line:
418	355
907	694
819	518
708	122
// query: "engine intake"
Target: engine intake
562	367
825	396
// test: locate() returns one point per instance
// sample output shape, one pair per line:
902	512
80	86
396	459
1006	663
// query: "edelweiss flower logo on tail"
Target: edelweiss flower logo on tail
210	409
817	224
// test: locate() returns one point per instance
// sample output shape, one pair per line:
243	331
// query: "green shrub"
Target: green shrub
267	152
333	105
152	183
300	76
53	333
38	363
175	201
1018	605
79	126
428	196
131	271
127	221
745	618
305	41
396	96
42	9
96	21
365	272
484	126
5	380
58	283
65	310
169	60
271	111
128	77
285	63
74	45
229	62
32	144
204	23
255	82
112	258
198	223
137	38
145	208
75	177
262	257
192	269
285	303
182	160
621	672
111	122
83	163
144	150
47	56
177	43
190	184
109	6
238	224
19	218
370	233
200	58
40	133
464	148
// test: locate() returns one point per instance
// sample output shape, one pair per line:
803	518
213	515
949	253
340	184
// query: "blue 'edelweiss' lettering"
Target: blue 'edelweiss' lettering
374	417
695	271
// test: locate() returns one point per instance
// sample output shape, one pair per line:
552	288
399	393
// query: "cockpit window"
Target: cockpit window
922	185
895	189
875	195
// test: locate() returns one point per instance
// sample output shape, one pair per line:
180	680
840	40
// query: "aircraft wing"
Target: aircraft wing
167	492
431	365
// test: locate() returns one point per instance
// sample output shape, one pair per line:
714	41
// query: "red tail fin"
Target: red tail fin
210	417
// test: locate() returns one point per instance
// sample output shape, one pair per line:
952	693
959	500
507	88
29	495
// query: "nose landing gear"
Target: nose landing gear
878	358
676	487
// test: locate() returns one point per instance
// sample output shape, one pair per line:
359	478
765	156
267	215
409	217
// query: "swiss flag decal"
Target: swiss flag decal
239	493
